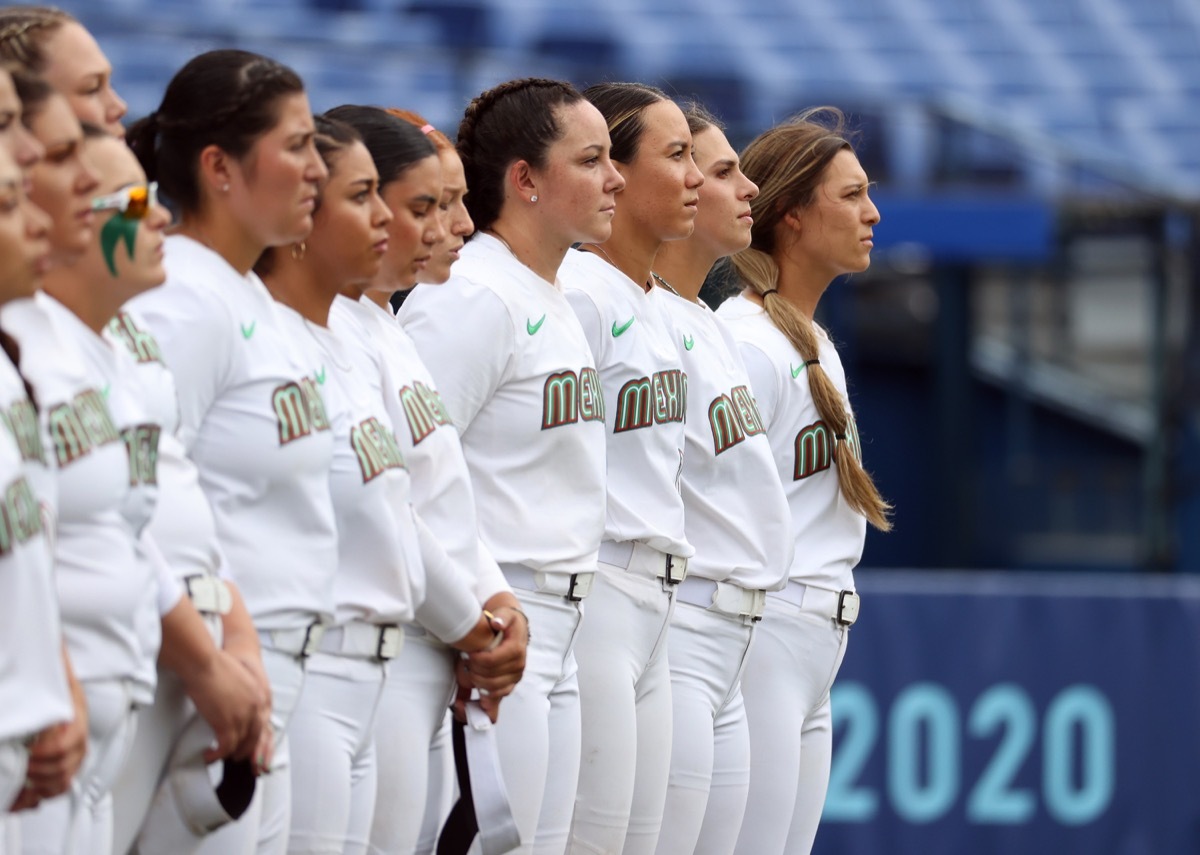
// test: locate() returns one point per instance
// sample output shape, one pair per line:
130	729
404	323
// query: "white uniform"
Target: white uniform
520	383
33	692
383	554
801	644
107	573
252	420
184	531
737	518
416	766
624	680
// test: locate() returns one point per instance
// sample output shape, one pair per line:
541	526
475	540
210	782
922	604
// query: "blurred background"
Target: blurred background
1024	357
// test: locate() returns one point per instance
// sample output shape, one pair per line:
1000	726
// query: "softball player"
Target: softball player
624	681
413	782
813	221
107	574
737	518
231	144
36	697
518	378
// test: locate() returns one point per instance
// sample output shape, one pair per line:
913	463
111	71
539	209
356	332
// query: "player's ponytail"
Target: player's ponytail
787	163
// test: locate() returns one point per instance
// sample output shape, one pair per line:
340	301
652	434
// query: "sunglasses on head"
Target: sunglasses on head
133	202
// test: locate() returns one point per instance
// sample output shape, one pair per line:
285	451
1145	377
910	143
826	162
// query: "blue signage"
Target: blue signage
1018	713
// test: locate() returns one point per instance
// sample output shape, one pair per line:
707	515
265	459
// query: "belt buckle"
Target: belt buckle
578	588
673	562
312	639
391	638
847	610
758	604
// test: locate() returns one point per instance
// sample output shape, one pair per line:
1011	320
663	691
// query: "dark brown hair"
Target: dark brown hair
622	105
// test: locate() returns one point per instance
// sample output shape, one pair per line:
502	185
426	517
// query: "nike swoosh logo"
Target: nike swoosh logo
104	392
618	330
688	342
248	331
320	375
531	327
796	371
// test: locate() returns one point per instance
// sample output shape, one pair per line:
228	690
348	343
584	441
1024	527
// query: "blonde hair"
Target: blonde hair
788	163
23	33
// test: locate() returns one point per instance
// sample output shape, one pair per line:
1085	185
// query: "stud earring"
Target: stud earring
224	188
533	198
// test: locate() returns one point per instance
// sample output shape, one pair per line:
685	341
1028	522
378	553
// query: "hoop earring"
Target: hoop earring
298	250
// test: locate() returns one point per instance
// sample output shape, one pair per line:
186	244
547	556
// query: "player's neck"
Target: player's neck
630	250
801	287
95	304
531	245
684	265
304	288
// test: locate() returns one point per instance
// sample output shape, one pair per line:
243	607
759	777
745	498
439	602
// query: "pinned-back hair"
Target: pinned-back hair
699	118
395	145
32	90
622	105
331	139
24	31
226	98
514	121
788	163
440	141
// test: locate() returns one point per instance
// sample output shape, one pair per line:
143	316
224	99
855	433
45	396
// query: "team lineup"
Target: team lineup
550	558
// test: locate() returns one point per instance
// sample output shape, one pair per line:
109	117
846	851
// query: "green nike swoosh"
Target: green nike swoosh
321	376
531	327
796	371
104	392
688	342
248	331
618	330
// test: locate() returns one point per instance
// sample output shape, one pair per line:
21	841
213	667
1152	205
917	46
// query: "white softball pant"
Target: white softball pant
332	748
14	759
414	788
537	734
796	657
710	754
625	706
80	822
263	828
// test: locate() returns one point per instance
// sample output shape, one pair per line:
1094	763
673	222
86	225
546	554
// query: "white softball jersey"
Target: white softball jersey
388	568
519	380
253	421
441	483
108	579
645	391
829	533
736	512
33	683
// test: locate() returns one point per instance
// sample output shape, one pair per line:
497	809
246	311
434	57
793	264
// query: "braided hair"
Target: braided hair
788	163
24	31
226	98
510	122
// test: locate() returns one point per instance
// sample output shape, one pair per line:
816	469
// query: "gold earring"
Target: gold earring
298	250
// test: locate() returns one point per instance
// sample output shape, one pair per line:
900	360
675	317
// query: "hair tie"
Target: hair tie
770	291
809	362
427	128
840	437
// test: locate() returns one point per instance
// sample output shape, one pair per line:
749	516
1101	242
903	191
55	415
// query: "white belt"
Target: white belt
363	640
301	643
572	586
724	597
637	557
839	606
209	594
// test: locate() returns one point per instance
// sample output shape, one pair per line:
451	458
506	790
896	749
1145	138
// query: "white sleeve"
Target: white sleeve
170	589
589	318
467	345
192	330
450	609
489	580
764	380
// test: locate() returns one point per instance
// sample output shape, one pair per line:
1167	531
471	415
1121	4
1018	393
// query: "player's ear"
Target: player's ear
791	221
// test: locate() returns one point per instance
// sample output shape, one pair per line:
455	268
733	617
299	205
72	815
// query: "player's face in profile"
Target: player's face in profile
127	248
416	227
455	220
577	189
273	189
723	222
63	185
662	179
14	137
79	70
835	231
24	235
349	236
